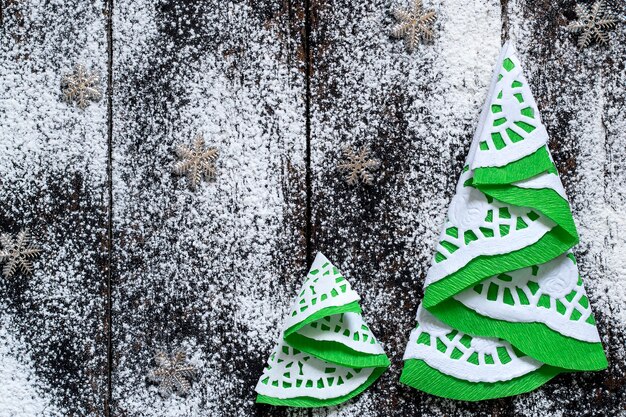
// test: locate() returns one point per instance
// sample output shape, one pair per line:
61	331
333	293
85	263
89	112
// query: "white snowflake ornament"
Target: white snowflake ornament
172	374
592	24
197	162
414	24
18	253
81	87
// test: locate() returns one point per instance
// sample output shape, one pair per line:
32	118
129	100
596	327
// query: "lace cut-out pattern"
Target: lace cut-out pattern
324	286
463	356
551	293
481	218
510	126
478	225
291	373
326	353
347	328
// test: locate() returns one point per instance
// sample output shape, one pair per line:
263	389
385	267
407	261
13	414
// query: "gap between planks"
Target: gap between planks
108	317
108	11
307	128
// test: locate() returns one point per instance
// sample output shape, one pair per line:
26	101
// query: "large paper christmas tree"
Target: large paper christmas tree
326	353
504	309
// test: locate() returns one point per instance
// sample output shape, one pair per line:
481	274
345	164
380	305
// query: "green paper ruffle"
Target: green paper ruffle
558	353
333	354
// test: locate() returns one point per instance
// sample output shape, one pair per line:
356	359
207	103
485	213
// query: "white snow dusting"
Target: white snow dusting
198	270
20	390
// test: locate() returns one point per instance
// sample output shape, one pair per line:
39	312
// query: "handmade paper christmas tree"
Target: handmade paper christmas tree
326	354
504	307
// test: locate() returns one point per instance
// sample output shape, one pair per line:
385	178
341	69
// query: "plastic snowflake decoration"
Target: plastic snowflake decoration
357	166
18	253
172	373
591	24
413	25
81	87
197	162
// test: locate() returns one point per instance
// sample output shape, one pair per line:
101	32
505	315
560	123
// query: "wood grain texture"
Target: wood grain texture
583	110
210	271
418	113
53	182
279	88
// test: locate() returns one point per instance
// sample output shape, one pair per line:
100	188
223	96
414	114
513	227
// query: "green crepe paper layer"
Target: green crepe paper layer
547	201
353	307
527	167
419	375
557	241
309	402
437	298
551	245
334	353
534	339
559	353
330	351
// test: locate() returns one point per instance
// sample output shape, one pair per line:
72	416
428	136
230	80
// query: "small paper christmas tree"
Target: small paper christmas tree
326	354
504	308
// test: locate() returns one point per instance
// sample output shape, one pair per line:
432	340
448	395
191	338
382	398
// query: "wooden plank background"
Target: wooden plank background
53	161
134	261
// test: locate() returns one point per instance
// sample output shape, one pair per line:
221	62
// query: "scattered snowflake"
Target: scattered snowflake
197	162
413	25
81	86
591	24
17	252
358	166
172	373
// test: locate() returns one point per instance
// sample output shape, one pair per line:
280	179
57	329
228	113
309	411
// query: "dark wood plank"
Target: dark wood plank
418	113
211	271
581	98
53	182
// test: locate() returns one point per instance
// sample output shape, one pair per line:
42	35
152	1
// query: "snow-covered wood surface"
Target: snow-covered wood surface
134	262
